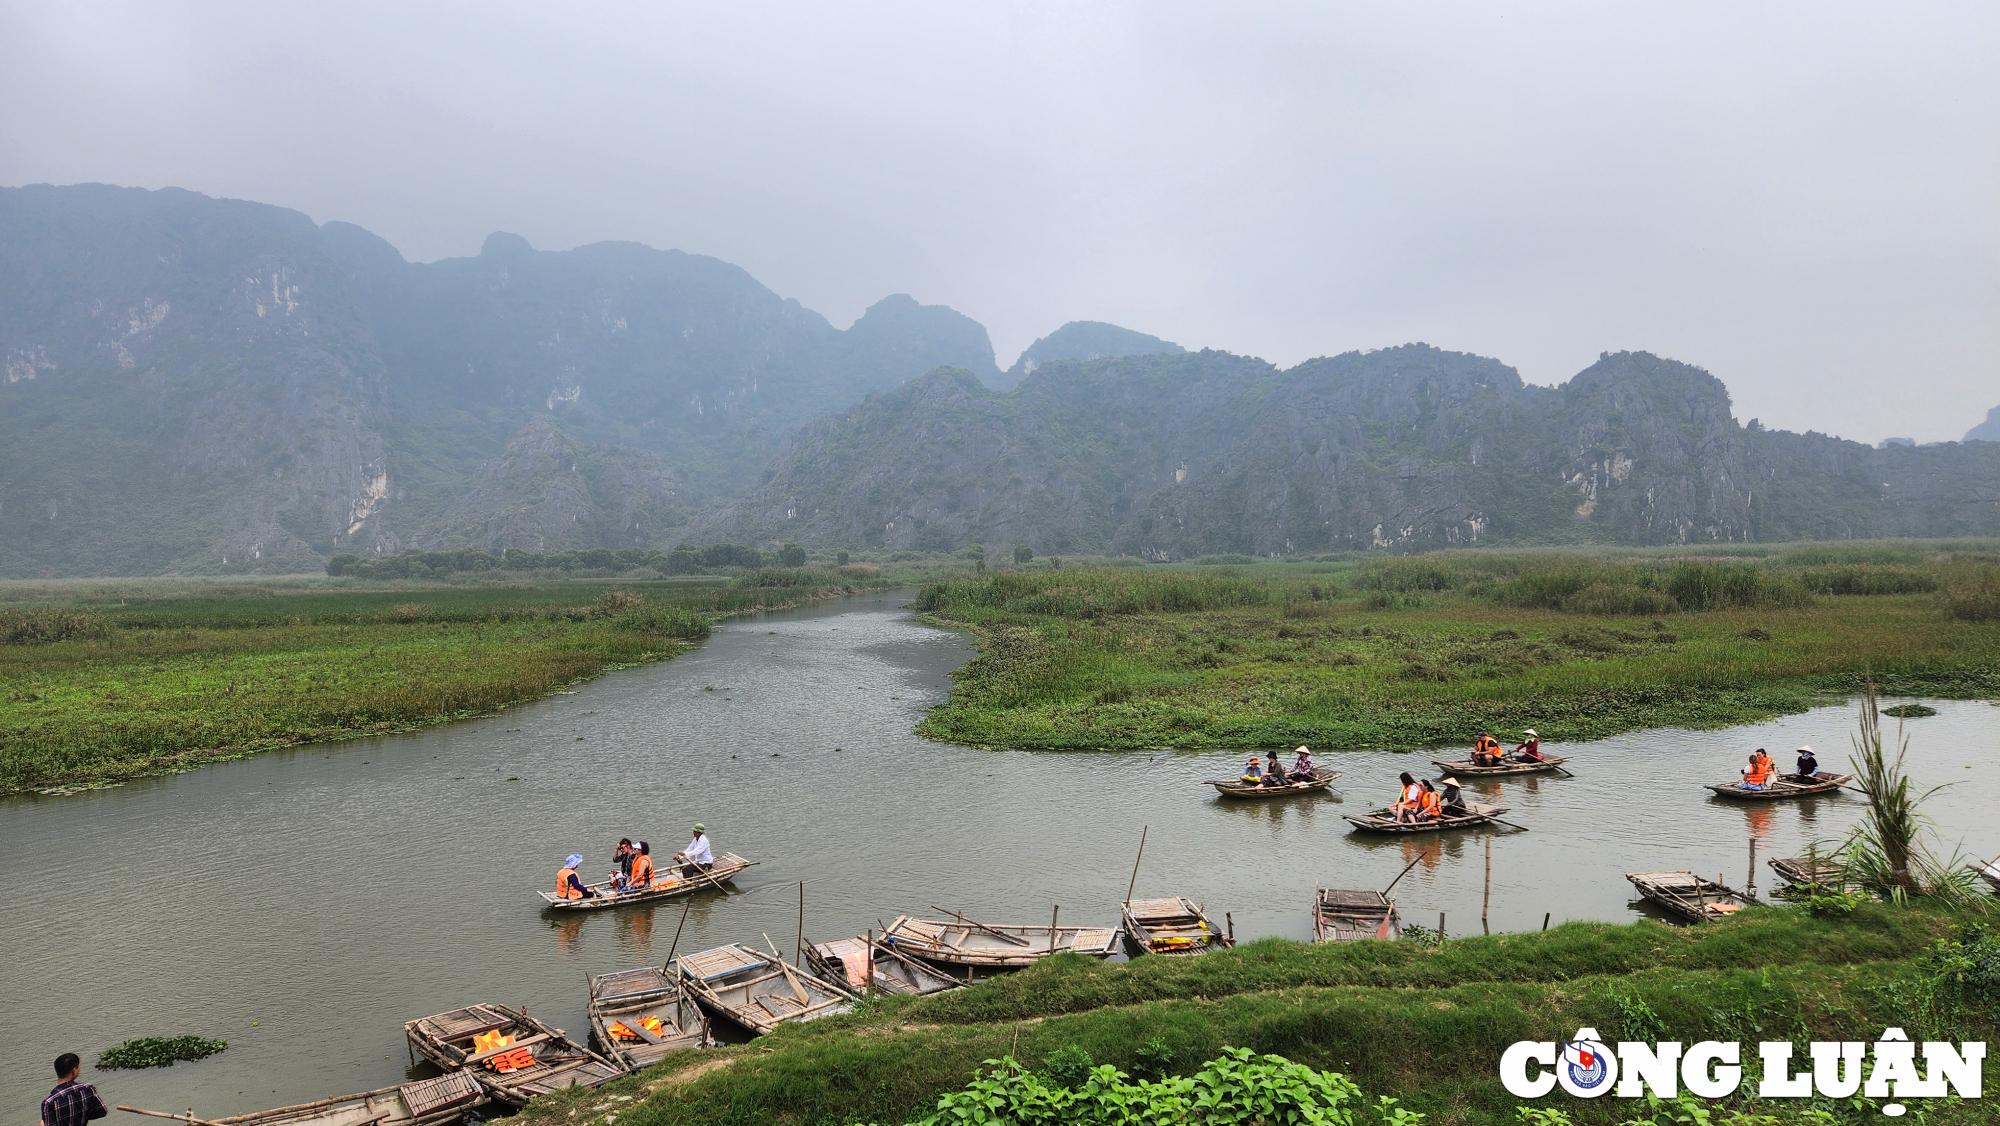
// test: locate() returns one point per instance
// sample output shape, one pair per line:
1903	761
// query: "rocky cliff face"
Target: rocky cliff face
1079	341
199	384
1400	449
1988	431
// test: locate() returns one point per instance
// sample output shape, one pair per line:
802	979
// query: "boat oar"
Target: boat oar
685	908
1566	774
1015	939
1509	824
805	998
1400	875
188	1117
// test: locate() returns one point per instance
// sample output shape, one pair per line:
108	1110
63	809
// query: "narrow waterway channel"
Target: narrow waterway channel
302	905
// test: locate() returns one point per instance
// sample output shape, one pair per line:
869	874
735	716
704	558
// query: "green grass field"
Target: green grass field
106	681
1425	1024
1429	650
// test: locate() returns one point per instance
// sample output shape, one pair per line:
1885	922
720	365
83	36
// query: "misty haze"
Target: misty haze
1493	509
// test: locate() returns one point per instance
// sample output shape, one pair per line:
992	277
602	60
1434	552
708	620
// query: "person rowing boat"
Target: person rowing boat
1808	766
568	884
1530	749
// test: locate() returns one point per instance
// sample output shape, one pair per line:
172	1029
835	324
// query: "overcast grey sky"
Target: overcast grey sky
1803	198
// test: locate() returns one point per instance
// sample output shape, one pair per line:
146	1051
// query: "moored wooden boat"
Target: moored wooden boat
1383	821
1988	870
756	990
1466	769
1810	871
510	1054
865	964
669	883
1175	925
1783	786
963	942
638	1016
1349	914
426	1102
1696	899
1322	779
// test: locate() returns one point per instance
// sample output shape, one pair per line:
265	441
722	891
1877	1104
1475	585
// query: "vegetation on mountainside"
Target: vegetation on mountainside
1427	650
1427	1023
105	682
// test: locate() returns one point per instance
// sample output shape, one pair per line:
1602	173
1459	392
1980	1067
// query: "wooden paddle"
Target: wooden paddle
1015	939
188	1117
799	988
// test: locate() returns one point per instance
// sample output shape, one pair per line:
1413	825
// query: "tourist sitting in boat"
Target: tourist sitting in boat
622	857
1429	804
1758	775
1405	808
1253	772
1275	775
697	856
1530	749
1808	765
1302	770
641	875
1486	750
1450	796
568	886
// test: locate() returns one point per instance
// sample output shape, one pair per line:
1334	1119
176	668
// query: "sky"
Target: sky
1802	198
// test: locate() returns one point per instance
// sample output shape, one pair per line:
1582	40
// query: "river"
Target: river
303	904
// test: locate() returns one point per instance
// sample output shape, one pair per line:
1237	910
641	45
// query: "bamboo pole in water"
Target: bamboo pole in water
799	945
1751	890
1486	897
1053	916
1134	882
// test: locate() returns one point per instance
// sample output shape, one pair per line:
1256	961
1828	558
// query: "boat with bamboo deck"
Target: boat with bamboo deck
668	884
638	1016
1810	871
756	990
1784	786
426	1102
1384	821
510	1054
1988	870
1506	767
1175	925
962	942
1322	779
1685	895
1350	914
865	964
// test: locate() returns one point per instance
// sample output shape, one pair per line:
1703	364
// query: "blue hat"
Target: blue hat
575	858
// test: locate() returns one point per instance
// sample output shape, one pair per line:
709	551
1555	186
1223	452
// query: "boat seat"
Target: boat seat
427	1096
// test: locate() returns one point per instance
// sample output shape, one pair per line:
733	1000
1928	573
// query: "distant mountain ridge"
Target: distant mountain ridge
1399	449
1988	431
200	384
191	385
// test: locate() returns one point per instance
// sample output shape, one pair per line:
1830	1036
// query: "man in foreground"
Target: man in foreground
71	1103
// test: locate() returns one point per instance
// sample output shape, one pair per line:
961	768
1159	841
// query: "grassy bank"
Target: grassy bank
1429	650
106	681
1426	1025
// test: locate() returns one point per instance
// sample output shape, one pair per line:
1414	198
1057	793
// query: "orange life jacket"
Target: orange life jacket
1759	773
642	870
563	888
512	1061
1429	802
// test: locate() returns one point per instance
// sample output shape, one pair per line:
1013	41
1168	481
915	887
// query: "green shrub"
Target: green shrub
45	626
1605	598
1733	586
1405	575
1867	578
1972	594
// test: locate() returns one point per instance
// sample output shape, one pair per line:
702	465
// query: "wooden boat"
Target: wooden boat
1688	896
1347	914
1784	786
1176	925
1988	870
638	1016
1508	767
667	884
1808	871
962	942
1383	821
757	990
513	1056
1322	779
865	964
426	1102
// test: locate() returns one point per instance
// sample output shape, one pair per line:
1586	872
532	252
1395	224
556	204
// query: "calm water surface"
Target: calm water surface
302	905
